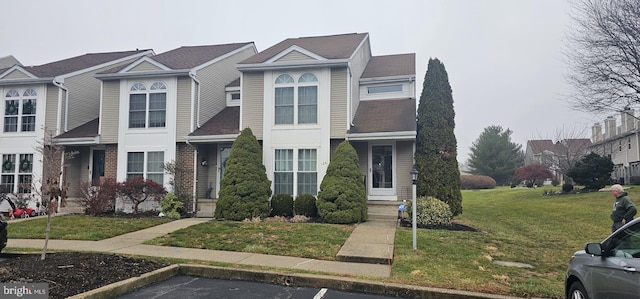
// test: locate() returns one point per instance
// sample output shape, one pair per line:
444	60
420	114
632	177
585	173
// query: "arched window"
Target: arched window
308	99
296	102
20	110
284	100
147	108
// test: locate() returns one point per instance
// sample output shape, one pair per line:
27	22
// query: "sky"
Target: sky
504	58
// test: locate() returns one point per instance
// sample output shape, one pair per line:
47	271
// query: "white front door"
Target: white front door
381	181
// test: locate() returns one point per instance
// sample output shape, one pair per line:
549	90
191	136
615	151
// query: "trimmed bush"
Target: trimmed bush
472	182
567	188
305	204
342	199
431	211
245	188
282	205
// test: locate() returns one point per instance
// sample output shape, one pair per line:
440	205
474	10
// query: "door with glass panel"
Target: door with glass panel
381	181
223	156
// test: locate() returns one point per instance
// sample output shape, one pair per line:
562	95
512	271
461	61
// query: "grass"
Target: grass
516	225
78	227
312	240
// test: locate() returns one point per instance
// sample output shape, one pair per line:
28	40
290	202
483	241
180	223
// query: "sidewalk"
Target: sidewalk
367	252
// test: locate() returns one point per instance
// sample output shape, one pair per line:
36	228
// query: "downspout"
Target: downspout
195	176
196	110
349	97
66	107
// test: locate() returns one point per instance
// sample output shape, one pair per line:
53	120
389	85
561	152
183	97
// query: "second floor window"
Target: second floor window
20	111
296	102
148	107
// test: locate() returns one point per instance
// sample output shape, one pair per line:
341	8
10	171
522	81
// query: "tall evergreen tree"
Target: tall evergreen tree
245	188
342	198
436	144
493	154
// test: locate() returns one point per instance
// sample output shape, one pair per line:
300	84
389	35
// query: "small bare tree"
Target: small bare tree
51	191
603	54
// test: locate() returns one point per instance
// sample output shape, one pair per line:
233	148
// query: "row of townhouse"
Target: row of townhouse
621	143
128	113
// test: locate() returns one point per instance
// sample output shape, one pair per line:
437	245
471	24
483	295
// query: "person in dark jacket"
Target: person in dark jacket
623	208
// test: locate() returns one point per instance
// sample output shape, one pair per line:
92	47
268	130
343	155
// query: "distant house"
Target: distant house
621	144
558	156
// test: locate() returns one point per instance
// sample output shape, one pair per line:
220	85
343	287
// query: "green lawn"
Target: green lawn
78	227
312	240
516	225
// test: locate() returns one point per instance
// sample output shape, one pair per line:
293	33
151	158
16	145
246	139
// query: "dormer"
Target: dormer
388	77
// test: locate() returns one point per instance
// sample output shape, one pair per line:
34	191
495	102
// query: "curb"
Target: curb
294	280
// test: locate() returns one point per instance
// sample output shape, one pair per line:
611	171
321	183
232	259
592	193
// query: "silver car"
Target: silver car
610	269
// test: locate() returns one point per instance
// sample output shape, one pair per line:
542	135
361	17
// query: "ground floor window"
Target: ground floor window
304	180
149	165
17	173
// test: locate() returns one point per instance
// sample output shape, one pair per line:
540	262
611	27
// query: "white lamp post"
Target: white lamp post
414	226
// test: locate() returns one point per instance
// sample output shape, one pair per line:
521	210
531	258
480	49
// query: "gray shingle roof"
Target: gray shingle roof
191	56
89	129
330	47
392	115
223	123
390	65
77	63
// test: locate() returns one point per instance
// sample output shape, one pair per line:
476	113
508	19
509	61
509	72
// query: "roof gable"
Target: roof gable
78	63
16	72
327	47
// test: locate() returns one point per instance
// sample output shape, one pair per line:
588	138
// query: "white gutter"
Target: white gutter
24	81
66	107
407	135
78	141
214	138
291	65
195	109
143	74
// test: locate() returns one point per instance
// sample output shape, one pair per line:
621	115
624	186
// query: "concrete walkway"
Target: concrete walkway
367	252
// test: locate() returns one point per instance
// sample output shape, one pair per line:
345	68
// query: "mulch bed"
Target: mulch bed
72	273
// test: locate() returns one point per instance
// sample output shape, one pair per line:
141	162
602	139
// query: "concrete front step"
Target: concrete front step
205	208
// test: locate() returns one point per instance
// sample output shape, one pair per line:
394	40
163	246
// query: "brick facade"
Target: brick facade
184	173
111	161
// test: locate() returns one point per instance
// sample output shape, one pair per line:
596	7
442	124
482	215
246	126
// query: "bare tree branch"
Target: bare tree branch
604	55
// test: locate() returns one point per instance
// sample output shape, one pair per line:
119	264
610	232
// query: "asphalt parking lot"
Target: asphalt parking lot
200	287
